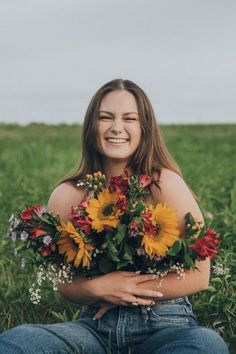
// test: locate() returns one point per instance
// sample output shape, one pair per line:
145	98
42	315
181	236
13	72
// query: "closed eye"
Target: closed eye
105	118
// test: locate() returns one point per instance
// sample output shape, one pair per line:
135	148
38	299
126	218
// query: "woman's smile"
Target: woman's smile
117	141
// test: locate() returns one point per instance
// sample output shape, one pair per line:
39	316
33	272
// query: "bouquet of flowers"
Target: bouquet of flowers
114	229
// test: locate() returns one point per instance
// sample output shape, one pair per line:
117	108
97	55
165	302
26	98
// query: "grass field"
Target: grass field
35	157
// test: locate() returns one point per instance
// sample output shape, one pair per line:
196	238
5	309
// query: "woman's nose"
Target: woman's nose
116	126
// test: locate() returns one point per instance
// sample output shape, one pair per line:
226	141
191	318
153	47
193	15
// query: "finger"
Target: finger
101	312
147	293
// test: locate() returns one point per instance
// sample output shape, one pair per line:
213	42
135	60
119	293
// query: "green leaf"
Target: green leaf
127	256
122	264
114	257
111	247
211	289
121	230
175	249
189	218
216	280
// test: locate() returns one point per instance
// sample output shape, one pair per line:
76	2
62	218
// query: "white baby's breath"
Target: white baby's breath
51	274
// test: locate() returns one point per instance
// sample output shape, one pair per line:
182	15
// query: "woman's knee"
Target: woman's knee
209	341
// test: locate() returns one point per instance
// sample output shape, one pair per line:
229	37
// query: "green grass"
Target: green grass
35	157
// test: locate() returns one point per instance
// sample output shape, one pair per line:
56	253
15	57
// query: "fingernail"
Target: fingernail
153	303
94	318
138	272
134	303
159	294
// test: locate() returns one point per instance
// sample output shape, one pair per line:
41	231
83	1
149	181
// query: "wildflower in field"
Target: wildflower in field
219	270
208	215
22	262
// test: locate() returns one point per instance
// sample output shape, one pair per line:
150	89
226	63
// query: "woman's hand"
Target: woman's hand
123	288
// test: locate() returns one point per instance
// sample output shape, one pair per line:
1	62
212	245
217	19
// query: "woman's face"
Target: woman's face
118	126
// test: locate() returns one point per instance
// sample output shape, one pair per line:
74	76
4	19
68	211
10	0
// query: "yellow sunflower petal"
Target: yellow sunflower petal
166	220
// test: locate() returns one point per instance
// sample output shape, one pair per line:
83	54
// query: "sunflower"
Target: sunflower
104	211
166	221
73	246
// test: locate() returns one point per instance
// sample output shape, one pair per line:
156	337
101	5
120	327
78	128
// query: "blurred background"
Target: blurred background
56	54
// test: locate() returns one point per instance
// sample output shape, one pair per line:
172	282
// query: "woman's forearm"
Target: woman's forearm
79	291
172	287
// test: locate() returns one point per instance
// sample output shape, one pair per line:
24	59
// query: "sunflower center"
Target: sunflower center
108	210
74	244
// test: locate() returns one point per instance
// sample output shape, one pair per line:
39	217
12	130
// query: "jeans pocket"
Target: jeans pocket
171	313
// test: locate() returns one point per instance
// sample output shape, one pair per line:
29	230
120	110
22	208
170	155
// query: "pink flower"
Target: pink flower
145	181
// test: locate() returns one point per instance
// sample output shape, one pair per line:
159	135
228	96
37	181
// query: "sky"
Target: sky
54	56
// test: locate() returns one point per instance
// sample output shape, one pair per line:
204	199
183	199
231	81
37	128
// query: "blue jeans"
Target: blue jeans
167	327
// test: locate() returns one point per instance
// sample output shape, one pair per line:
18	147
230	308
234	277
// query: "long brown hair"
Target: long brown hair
151	155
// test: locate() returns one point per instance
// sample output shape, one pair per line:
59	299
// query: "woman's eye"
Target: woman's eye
130	118
103	118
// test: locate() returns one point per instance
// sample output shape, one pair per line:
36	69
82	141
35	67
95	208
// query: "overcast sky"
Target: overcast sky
55	54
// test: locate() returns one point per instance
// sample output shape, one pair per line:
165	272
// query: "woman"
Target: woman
125	312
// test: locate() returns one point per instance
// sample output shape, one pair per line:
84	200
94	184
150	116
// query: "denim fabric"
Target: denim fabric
167	327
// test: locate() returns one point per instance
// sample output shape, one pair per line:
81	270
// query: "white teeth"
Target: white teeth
117	141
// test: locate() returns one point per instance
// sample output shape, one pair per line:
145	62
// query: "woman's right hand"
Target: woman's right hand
122	288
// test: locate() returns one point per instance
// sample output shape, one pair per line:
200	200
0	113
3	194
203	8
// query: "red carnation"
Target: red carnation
122	203
207	246
36	232
26	215
119	184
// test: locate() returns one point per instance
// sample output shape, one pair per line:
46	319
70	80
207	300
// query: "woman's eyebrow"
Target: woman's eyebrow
124	114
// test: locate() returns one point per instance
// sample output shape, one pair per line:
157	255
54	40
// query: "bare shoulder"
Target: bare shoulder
168	180
63	198
175	192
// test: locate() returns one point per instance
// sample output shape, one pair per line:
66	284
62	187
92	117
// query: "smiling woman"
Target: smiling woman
124	312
